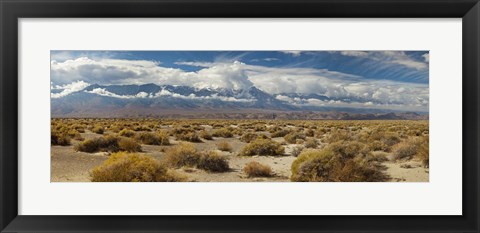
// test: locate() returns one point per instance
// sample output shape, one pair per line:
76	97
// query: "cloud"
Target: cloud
294	53
68	89
103	92
426	56
389	57
345	88
265	59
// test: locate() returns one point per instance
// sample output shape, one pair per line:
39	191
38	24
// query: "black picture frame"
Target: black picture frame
11	11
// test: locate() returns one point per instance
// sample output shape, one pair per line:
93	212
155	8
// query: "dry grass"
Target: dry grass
224	146
256	169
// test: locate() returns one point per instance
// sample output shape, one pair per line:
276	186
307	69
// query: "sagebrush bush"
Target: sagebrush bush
349	149
129	145
423	152
293	137
59	138
212	162
262	147
297	150
127	167
248	137
98	129
224	146
206	135
183	154
280	133
189	137
406	149
126	133
311	143
256	169
149	138
105	143
327	166
223	132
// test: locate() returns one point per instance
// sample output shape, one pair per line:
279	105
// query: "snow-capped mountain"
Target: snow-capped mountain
156	100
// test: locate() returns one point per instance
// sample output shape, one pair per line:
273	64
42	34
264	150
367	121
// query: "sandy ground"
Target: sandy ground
70	166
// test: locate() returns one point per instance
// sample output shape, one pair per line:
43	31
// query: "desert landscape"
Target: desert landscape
85	150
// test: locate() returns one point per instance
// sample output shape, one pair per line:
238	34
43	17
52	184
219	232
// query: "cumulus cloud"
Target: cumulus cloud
68	88
103	92
344	88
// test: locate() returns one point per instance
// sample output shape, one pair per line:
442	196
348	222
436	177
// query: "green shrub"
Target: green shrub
126	167
262	147
256	169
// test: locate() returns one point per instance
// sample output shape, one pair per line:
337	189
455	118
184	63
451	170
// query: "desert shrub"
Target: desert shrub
183	154
292	137
248	137
377	156
224	146
406	149
311	143
142	128
98	130
262	147
206	135
260	128
256	169
297	150
213	162
377	145
310	133
59	138
280	133
327	166
391	140
349	149
189	137
127	167
126	133
338	135
223	132
423	152
148	138
129	145
105	143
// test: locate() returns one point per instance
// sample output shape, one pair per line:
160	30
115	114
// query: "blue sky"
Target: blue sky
383	79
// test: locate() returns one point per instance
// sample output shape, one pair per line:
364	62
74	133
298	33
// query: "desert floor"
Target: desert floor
67	165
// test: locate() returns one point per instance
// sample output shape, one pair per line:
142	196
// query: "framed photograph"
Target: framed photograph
251	116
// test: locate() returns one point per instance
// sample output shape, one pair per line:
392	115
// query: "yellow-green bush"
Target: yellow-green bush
311	143
262	147
149	138
59	138
189	137
98	129
206	135
293	137
327	166
406	149
183	154
256	169
126	133
223	132
127	167
105	143
129	145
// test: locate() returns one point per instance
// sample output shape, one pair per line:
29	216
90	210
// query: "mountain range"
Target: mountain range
172	101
